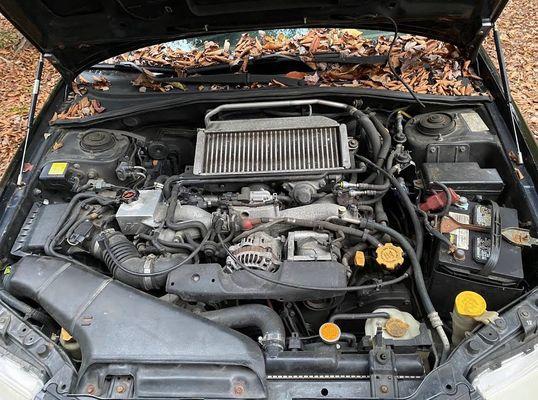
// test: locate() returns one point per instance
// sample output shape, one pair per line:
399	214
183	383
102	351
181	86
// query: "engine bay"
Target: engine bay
335	240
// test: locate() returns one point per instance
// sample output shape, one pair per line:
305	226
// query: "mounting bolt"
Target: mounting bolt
473	347
239	390
42	350
384	389
459	255
90	389
120	389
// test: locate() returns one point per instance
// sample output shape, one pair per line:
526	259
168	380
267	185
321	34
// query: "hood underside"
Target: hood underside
78	33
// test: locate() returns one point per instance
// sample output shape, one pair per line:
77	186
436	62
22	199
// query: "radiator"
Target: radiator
265	146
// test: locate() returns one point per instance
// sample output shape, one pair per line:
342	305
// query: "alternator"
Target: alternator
257	251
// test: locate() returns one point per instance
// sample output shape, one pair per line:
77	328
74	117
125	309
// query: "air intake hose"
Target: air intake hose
257	315
127	265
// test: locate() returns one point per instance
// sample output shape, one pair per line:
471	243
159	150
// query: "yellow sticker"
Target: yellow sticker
57	168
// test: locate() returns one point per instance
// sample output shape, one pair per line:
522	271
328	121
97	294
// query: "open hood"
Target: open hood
78	33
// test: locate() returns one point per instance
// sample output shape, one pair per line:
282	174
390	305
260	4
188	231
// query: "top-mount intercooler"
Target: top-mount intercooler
267	146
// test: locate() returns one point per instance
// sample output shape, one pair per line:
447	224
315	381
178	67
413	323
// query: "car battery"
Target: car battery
454	272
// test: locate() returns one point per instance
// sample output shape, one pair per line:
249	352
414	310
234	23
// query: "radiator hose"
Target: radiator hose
253	315
127	265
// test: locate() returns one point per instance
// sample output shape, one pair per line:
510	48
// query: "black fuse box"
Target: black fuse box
466	178
452	275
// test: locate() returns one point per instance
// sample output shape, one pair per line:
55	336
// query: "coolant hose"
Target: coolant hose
139	271
253	315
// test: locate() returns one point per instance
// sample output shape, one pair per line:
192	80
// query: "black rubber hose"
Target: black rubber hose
65	222
358	316
410	207
380	214
387	140
373	135
183	225
127	265
253	315
413	258
28	311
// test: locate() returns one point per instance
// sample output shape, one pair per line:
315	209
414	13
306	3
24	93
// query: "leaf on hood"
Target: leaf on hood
311	79
101	83
85	107
422	62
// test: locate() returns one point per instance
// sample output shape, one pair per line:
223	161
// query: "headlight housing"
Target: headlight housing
516	378
16	381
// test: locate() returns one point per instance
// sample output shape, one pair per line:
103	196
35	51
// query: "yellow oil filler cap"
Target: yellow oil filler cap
389	256
470	304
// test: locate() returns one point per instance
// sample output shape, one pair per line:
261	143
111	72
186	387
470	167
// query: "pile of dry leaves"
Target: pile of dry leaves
427	66
17	68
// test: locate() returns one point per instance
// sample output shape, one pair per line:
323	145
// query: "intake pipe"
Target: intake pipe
253	315
116	324
127	265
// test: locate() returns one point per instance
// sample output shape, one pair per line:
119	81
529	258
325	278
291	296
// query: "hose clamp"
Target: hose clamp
272	341
148	269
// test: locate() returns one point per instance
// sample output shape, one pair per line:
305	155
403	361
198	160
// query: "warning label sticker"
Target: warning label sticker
474	122
460	237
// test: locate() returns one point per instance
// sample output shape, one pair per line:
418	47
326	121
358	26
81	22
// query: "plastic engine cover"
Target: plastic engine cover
123	332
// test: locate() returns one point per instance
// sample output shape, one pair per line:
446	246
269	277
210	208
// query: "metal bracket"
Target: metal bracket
528	321
383	374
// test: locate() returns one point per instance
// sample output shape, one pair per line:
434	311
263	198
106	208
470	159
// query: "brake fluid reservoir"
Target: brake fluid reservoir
399	326
468	308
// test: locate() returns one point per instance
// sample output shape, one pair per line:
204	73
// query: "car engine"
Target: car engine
335	237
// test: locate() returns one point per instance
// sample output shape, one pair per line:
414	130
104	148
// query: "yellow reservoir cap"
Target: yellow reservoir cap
359	259
470	304
330	332
66	336
389	256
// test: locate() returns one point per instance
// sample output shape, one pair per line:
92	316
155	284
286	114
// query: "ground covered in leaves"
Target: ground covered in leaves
518	24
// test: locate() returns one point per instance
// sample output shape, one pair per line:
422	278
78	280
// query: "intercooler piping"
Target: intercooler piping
257	315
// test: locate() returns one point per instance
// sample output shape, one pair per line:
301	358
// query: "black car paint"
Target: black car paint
107	28
451	378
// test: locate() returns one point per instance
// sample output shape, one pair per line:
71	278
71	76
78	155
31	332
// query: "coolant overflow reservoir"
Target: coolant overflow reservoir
470	309
399	326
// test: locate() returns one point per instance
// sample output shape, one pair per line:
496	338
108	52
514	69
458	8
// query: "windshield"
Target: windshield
307	57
